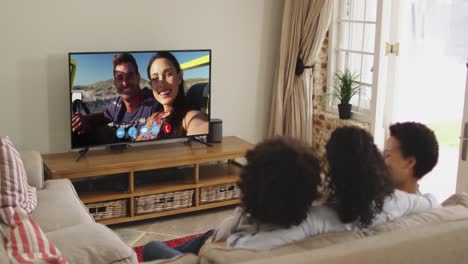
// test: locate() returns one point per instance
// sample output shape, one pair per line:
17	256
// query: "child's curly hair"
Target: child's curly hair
279	182
358	179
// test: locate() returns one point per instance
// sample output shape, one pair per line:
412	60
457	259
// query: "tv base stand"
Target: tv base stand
152	180
82	153
197	139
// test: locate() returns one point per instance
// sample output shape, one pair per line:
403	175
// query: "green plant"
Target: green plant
346	86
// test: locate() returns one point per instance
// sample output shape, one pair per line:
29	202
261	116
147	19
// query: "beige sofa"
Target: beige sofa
66	221
436	236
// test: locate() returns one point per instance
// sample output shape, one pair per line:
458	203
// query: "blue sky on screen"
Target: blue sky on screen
95	67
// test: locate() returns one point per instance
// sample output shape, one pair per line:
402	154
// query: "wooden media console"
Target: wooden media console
153	180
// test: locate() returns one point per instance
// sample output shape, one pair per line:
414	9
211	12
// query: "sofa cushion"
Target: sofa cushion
188	258
216	254
14	187
92	243
34	167
455	208
432	244
25	242
434	216
60	207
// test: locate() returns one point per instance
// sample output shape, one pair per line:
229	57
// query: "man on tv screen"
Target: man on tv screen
125	116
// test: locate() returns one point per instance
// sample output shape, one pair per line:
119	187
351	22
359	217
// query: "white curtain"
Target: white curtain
305	24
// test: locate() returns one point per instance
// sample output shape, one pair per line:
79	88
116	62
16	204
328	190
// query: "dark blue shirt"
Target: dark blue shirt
118	116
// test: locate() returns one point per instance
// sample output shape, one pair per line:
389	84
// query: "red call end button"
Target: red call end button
167	128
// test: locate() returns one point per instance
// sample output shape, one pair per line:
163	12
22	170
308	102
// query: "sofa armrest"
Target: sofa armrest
32	161
92	243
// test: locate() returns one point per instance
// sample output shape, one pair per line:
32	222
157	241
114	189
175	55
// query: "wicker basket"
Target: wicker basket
163	202
219	193
106	210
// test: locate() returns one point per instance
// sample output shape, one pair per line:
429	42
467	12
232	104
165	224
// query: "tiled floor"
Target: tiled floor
171	227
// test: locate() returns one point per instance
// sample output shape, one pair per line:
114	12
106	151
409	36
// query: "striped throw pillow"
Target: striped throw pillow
25	242
14	188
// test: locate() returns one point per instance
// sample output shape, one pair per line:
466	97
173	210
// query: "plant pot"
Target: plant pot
344	111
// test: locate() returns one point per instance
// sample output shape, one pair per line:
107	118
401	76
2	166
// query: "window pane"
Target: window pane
354	63
355	102
366	71
371	10
369	39
361	102
357	9
352	37
365	99
343	35
340	59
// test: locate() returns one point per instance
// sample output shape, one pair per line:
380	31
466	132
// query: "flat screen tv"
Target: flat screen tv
138	96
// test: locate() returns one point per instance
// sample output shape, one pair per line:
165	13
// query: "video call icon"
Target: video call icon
167	128
120	132
155	129
132	132
144	130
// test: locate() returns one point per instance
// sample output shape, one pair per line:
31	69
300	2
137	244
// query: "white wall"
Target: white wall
35	37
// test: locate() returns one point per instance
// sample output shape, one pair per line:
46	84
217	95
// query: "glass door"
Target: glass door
462	179
426	78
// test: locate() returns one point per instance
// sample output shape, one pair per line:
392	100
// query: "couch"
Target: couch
67	223
436	236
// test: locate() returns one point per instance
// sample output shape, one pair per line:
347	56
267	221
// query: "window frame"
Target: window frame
333	49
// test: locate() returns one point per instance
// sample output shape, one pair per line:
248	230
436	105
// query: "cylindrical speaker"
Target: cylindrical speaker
216	131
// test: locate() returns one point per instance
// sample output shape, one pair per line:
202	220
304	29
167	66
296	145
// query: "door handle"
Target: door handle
464	142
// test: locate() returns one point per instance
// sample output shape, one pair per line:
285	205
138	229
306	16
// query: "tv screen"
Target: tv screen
129	97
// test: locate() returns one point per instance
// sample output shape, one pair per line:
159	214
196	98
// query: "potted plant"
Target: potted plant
346	86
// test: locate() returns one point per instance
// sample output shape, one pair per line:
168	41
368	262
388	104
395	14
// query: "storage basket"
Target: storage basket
106	210
163	201
222	192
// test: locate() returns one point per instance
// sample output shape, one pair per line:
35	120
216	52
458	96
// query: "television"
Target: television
122	97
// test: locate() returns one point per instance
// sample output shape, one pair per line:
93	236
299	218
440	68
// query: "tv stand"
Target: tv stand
147	182
197	139
82	153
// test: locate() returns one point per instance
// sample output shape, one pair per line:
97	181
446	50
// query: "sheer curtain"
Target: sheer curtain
305	24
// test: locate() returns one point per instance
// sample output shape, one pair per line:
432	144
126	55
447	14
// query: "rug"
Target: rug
172	243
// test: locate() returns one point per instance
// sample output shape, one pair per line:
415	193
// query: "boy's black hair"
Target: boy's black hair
418	141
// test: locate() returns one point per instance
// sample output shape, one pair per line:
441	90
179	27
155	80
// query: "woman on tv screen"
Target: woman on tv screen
175	119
